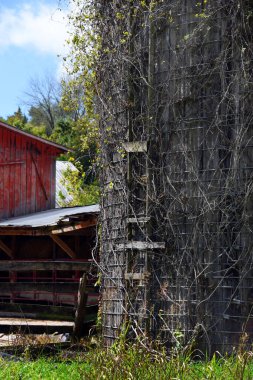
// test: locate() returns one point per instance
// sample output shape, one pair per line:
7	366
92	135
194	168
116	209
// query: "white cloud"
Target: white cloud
40	27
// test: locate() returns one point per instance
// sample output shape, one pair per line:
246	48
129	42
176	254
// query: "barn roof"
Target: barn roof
31	136
50	218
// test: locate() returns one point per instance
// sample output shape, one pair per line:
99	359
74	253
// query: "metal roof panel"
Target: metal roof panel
61	182
49	218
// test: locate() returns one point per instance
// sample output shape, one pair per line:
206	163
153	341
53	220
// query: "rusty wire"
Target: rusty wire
175	102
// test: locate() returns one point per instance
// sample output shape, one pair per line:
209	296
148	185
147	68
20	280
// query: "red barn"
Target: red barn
27	172
43	251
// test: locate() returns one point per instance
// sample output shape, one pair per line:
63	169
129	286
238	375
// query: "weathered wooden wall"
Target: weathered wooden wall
27	173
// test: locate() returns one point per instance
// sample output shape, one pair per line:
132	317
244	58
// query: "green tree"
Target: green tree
18	119
79	92
43	98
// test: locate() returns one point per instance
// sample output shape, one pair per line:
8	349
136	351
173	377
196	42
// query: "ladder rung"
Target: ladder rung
236	301
141	245
135	146
137	276
144	219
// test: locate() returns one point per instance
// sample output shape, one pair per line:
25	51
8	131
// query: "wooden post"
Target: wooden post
81	308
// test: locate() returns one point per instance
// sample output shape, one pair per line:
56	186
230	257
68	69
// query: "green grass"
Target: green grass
121	363
43	369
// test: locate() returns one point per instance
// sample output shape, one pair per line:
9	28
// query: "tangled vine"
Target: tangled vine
174	96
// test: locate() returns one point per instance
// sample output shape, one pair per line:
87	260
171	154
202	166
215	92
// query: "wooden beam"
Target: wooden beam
29	326
6	249
49	287
64	246
79	226
19	266
44	312
56	312
12	163
29	231
8	325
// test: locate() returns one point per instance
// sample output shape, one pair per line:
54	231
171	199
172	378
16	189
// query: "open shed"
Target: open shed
42	258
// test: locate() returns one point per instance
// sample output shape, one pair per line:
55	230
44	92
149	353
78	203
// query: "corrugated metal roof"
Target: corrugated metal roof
27	134
49	217
62	195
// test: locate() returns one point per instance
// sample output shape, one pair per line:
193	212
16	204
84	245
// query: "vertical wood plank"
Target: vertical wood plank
23	177
17	173
28	178
6	174
81	308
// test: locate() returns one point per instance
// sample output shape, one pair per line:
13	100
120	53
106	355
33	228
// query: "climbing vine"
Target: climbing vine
171	82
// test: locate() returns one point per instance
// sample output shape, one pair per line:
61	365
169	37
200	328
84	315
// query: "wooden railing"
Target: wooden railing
45	298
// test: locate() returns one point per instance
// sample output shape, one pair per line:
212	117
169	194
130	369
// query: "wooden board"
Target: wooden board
135	146
53	287
48	312
30	326
7	265
141	245
8	309
27	325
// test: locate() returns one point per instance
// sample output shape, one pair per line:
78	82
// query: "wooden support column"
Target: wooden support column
77	272
81	308
64	246
6	249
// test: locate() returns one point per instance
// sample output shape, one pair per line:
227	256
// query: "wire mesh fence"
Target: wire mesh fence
175	103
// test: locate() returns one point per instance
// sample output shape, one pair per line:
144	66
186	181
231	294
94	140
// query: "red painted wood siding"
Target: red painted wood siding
27	174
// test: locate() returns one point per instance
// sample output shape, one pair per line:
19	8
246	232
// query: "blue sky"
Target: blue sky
32	35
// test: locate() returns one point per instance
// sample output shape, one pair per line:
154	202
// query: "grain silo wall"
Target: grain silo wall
176	137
